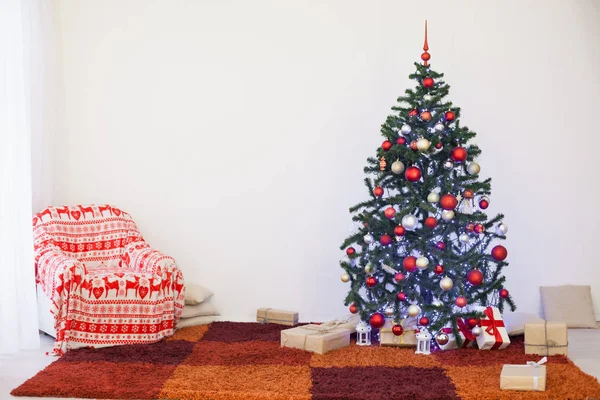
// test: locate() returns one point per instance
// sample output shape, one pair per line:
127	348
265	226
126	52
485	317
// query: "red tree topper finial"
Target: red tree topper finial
425	56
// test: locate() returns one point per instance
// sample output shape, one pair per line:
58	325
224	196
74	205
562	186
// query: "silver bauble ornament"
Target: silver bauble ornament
447	215
439	127
473	168
448	164
437	303
423	144
476	331
409	222
397	167
413	310
368	238
433	197
428	97
405	129
446	283
464	238
422	262
345	278
442	338
501	229
389	311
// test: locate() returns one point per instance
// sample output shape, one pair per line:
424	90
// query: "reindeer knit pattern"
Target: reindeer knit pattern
107	286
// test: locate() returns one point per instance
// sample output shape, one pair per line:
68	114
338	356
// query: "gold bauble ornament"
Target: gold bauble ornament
422	262
397	167
423	144
433	197
446	283
413	310
345	278
473	168
368	268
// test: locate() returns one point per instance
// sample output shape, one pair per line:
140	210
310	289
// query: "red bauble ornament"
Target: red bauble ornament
449	116
350	251
353	309
428	82
468	194
424	321
458	154
390	212
438	269
398	277
401	296
440	245
439	145
413	145
475	277
499	253
430	222
461	301
503	293
425	57
412	113
448	202
413	174
472	323
399	230
386	145
385	239
365	224
410	263
378	191
377	320
479	228
426	116
397	330
401	141
371	281
484	203
470	227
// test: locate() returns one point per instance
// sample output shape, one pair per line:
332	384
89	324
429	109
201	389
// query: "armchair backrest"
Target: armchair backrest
93	234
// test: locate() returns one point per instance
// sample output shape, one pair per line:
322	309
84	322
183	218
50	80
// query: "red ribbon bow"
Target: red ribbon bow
462	328
491	326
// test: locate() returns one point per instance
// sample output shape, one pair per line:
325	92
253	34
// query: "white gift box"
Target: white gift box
493	333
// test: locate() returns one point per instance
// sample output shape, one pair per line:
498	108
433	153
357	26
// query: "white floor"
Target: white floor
584	350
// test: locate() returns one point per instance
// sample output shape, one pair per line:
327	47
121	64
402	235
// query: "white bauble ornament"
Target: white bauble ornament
448	164
422	262
476	331
409	222
345	278
439	127
369	268
428	97
423	144
464	238
433	197
405	129
501	229
413	310
437	303
397	167
473	168
446	283
447	215
389	311
368	238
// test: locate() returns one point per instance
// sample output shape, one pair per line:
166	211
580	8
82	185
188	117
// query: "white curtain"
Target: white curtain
27	62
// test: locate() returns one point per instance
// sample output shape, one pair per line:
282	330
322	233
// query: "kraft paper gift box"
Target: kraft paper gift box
465	334
493	335
531	376
348	322
315	338
547	339
407	339
273	316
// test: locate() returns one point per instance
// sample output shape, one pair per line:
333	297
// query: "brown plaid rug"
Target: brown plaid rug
234	360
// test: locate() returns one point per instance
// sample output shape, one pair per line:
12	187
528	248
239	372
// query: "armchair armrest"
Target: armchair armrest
57	273
140	257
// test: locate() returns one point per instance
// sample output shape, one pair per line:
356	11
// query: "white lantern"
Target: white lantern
363	334
423	342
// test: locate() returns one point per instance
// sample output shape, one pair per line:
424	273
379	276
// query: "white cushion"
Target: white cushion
202	309
515	322
569	303
196	294
205	320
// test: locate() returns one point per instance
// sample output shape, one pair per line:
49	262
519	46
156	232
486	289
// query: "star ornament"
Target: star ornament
459	197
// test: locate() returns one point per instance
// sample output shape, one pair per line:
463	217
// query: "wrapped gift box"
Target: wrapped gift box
531	376
493	335
315	338
348	322
546	339
463	331
407	339
273	316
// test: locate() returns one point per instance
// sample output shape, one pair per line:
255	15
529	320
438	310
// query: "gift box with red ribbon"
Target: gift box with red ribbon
463	331
493	335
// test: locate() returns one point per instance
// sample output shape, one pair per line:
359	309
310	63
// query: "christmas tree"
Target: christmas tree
423	244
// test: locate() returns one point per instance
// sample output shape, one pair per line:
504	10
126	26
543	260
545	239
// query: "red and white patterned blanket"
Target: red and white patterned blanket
107	286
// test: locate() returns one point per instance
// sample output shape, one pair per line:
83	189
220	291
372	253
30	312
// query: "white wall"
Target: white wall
235	132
